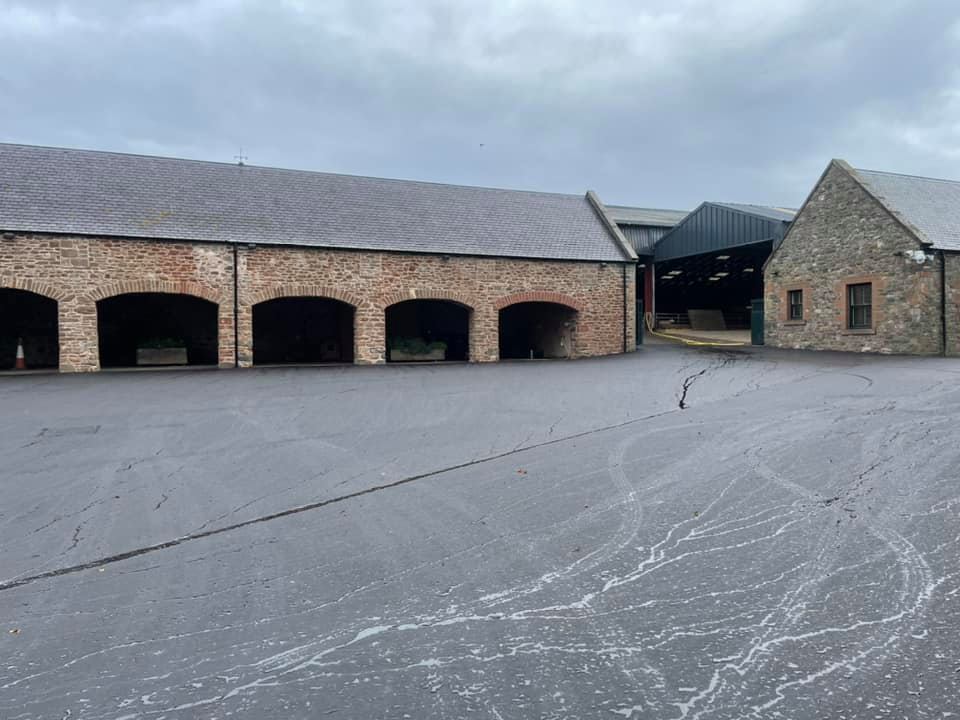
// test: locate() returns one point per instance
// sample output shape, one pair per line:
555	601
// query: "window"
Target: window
860	306
795	302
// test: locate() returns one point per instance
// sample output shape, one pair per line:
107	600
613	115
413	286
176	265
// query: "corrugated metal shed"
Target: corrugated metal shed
643	238
714	227
623	215
644	227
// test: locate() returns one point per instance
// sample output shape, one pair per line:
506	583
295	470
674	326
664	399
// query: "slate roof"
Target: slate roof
102	193
930	206
765	211
656	217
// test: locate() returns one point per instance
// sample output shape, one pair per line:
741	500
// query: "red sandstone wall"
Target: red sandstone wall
79	271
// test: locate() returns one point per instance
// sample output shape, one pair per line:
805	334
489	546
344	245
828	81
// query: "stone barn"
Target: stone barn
115	260
870	264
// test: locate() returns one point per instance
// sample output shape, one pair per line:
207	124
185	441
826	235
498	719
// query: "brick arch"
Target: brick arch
421	294
46	290
539	296
170	287
317	291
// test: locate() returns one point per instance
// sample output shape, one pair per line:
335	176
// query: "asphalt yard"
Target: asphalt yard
678	533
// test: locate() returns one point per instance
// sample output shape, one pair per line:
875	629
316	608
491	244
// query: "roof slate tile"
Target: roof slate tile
929	205
100	193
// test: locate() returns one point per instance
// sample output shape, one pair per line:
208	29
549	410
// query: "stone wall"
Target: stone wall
841	237
371	281
77	272
953	302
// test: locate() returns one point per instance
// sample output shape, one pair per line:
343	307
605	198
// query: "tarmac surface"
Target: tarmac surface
678	533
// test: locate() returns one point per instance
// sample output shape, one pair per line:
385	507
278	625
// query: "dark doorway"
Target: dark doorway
32	319
756	322
156	321
537	330
302	330
428	330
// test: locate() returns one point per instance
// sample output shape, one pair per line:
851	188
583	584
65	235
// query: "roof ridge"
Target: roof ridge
275	168
760	205
650	209
908	175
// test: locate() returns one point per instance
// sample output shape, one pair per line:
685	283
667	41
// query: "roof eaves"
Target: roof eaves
8	232
645	223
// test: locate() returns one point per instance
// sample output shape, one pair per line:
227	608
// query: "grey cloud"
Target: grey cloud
669	105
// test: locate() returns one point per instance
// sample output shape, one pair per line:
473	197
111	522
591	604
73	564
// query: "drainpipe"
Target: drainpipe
624	268
236	312
943	300
653	294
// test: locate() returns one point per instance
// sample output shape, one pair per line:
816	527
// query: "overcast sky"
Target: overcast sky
649	102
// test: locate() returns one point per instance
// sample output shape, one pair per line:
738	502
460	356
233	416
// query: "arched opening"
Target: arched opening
144	329
537	330
427	330
31	319
302	330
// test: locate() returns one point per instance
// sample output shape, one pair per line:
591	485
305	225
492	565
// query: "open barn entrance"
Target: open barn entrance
531	330
31	319
711	291
156	329
425	330
302	330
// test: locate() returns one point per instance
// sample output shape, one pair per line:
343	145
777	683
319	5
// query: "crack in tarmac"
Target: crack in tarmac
728	359
687	383
110	559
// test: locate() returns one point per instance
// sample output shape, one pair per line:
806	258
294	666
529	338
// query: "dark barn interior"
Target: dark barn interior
135	320
532	330
302	330
32	319
725	281
430	321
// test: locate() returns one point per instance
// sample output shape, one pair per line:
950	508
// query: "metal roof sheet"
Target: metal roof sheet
643	238
623	215
715	227
103	193
765	211
930	206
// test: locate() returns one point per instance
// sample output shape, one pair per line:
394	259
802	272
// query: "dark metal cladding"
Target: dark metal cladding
643	238
715	227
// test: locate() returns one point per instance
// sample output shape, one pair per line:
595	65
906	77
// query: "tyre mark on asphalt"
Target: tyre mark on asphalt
129	554
615	463
281	666
916	591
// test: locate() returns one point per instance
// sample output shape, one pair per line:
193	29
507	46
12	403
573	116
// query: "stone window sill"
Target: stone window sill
859	331
795	322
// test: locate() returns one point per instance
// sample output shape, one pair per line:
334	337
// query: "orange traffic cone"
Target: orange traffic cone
21	361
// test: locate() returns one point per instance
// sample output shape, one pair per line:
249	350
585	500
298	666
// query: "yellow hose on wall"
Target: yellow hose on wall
648	321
